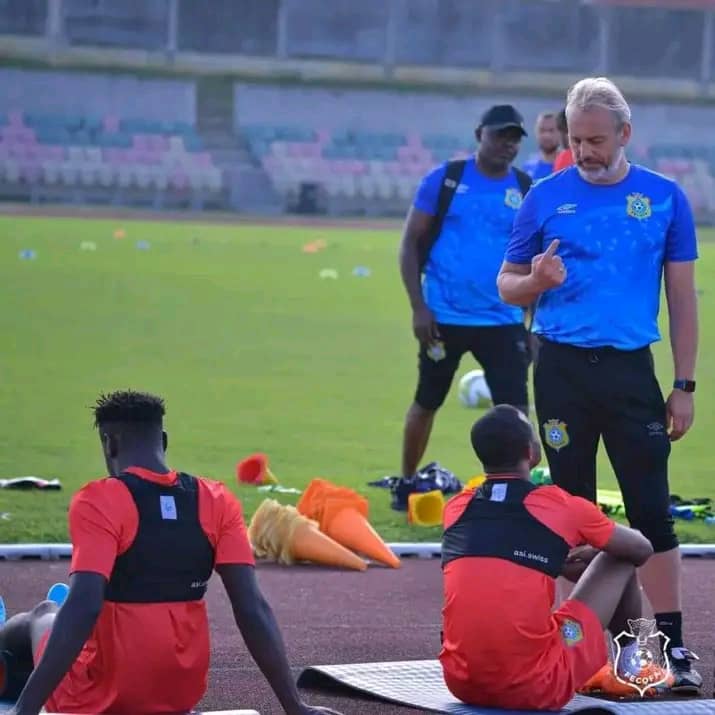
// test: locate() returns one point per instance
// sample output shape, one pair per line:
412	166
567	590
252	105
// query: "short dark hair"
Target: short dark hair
548	114
561	121
130	408
502	438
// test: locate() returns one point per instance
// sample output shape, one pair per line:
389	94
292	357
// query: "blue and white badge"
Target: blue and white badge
168	507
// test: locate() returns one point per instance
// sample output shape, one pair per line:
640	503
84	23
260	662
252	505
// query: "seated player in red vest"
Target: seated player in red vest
503	546
133	635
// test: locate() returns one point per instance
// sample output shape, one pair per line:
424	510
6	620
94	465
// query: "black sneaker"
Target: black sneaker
686	680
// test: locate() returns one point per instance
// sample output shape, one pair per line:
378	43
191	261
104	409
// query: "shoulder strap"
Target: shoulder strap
524	181
452	175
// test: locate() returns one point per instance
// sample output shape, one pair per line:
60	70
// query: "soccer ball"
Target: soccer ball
634	660
473	390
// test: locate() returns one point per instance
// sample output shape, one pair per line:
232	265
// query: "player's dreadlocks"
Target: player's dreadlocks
128	406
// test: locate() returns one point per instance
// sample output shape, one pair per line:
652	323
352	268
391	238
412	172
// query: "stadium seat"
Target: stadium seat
51	172
385	187
30	172
125	176
366	186
88	174
69	174
93	154
143	176
106	175
178	180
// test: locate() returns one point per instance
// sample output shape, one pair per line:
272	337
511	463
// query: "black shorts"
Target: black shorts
584	394
501	350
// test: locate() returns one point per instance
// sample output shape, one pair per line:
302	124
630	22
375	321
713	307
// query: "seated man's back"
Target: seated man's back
155	538
504	544
132	636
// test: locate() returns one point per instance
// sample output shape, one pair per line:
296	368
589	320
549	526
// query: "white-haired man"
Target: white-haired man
589	245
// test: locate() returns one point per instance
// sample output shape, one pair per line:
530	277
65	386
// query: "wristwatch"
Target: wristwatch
684	385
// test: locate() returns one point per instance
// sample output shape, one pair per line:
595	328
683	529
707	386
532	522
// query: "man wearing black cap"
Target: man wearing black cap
455	236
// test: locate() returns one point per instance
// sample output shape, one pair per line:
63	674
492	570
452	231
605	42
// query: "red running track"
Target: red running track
346	617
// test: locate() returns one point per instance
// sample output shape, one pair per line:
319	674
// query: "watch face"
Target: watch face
685	385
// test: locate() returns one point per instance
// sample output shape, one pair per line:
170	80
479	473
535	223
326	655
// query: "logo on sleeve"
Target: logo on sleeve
638	206
571	632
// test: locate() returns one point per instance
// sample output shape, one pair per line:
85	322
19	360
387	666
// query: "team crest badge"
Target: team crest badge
638	206
555	434
513	198
571	632
641	661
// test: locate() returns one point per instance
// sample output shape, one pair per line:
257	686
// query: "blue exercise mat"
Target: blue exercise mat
419	684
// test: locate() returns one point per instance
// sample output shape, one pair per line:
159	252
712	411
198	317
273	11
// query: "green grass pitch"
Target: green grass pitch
252	351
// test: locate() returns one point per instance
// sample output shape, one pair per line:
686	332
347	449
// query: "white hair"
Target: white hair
599	92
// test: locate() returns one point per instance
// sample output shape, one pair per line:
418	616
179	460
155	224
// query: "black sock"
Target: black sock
671	624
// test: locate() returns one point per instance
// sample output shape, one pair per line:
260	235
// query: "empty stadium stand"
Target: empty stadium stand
122	160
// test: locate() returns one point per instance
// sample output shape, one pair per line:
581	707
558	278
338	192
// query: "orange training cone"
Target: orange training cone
254	470
350	528
279	533
342	515
308	543
606	682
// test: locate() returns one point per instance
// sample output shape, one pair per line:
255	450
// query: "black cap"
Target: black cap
501	116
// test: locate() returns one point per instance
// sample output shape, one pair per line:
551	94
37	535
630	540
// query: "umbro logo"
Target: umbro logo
566	209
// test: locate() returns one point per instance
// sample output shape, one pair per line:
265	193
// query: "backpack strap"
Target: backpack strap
452	176
525	182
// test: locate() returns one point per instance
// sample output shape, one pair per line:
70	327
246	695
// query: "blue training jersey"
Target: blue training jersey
459	284
615	240
537	168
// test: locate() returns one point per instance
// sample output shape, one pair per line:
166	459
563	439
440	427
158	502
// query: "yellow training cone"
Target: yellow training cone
476	482
426	508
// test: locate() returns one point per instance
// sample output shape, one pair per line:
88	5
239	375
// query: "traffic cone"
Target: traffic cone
606	682
308	543
342	515
279	533
475	482
425	508
349	526
254	470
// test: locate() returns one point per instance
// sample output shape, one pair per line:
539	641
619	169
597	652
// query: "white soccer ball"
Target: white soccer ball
474	391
